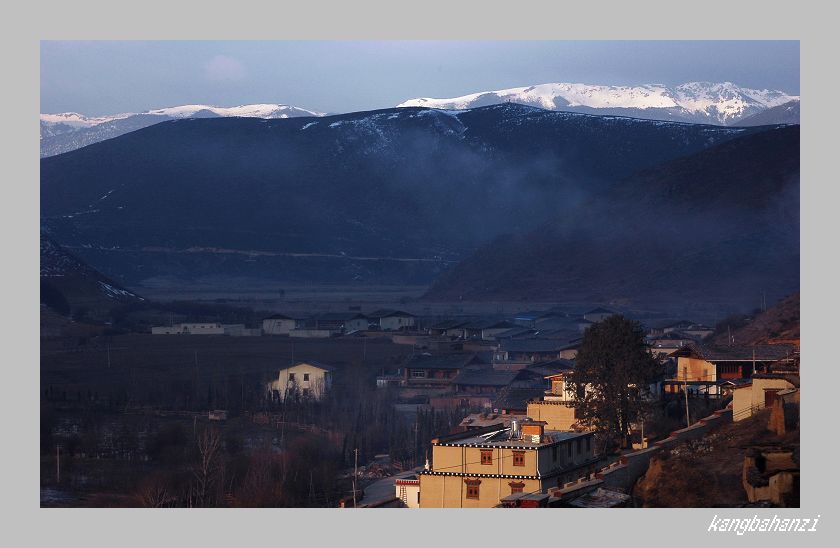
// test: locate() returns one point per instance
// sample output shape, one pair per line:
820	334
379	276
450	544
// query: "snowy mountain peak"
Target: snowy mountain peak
262	110
704	102
68	131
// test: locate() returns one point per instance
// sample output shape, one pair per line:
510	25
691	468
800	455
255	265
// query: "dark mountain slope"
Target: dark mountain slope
787	113
384	196
69	286
779	322
57	141
722	224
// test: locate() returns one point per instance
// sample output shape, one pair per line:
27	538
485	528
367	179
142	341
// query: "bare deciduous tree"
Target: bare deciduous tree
208	469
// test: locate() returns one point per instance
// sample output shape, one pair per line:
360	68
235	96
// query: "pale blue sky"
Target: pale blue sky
102	77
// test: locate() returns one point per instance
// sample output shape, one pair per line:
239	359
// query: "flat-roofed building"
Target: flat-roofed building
555	407
704	368
478	468
190	329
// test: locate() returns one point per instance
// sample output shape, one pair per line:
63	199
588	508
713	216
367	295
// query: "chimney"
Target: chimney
533	431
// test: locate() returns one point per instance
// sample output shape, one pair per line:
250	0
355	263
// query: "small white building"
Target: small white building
190	329
305	379
408	490
392	320
239	330
280	324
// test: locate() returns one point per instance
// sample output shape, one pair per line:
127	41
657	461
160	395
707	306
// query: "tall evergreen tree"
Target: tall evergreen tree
613	371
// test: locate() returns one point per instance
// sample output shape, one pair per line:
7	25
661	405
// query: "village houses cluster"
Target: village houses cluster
526	446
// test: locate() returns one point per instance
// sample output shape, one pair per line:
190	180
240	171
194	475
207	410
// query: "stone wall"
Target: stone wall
623	473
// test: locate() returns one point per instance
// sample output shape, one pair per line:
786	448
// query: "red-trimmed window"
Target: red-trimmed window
486	456
472	488
519	458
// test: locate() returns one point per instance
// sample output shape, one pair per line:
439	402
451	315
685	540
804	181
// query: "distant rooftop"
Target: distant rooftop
387	313
320	365
339	316
485	377
600	310
445	361
762	352
533	345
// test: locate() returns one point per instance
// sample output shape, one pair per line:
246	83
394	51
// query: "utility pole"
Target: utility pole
685	378
355	473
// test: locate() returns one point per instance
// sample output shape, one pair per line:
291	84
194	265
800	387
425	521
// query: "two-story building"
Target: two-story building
304	379
478	468
555	407
702	368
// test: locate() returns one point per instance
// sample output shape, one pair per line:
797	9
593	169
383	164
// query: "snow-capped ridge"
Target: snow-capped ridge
722	102
260	110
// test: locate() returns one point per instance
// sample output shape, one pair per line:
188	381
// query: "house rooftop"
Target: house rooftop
279	316
533	345
338	316
516	398
600	310
490	324
761	352
530	315
484	377
387	313
601	498
444	361
515	333
449	324
671	336
319	365
500	437
551	367
483	420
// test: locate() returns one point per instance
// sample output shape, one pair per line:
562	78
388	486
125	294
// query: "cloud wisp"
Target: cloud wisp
224	68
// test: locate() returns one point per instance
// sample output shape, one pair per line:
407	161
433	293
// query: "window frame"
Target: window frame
473	491
486	457
518	458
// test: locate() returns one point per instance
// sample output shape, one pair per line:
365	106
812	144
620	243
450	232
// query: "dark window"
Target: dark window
519	458
306	376
472	488
516	487
291	376
486	456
